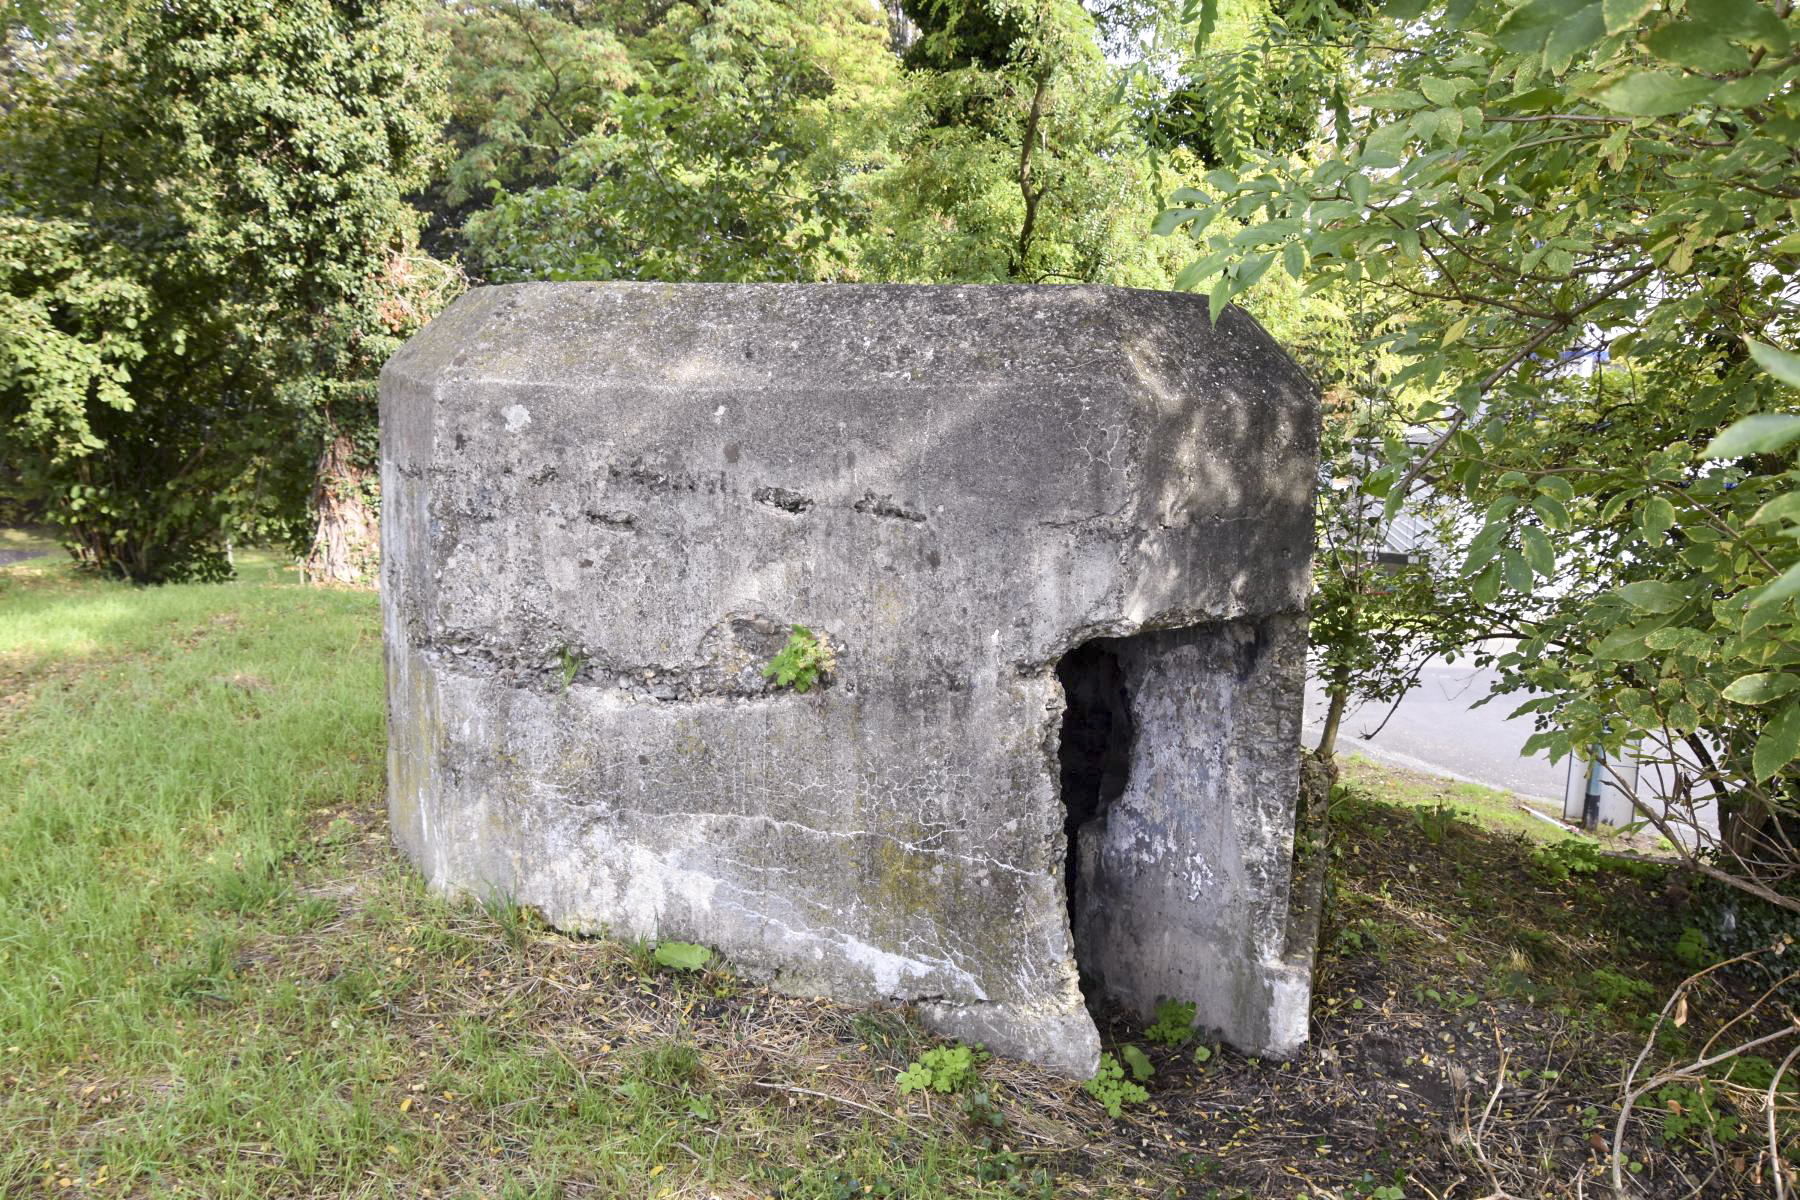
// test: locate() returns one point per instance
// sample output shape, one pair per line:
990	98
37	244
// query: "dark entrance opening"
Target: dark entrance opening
1095	752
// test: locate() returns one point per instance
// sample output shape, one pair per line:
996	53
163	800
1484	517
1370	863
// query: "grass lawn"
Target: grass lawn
1488	807
21	545
1531	818
217	980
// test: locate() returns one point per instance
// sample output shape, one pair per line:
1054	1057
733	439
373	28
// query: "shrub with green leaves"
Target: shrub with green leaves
1110	1087
1611	989
944	1069
1575	221
1174	1023
1698	1110
1557	862
1691	949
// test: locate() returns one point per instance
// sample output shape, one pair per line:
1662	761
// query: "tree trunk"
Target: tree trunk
1337	700
346	546
1031	195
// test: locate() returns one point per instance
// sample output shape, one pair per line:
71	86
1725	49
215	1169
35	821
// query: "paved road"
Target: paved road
9	557
1436	730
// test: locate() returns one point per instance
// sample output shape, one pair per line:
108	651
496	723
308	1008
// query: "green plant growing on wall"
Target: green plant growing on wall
944	1069
571	662
1110	1087
803	662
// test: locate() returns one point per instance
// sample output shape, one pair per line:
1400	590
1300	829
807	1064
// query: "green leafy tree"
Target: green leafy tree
526	83
1380	609
1582	214
715	143
204	202
1265	79
1262	74
43	19
1010	155
751	140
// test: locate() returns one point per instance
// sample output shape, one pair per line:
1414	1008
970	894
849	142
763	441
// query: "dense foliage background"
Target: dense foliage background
1571	225
218	216
1538	256
200	207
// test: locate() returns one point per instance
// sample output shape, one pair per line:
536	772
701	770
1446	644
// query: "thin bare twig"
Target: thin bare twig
800	1091
1775	1155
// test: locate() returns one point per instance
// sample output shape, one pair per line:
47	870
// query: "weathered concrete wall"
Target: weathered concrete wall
605	505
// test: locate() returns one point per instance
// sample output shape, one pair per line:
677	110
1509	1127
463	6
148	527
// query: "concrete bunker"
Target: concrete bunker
1057	541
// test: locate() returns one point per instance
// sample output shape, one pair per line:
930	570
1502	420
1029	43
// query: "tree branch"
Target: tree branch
1550	330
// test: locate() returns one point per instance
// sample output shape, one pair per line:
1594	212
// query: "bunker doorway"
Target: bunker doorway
1095	752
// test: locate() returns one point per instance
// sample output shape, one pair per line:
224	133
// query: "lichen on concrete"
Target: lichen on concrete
607	506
